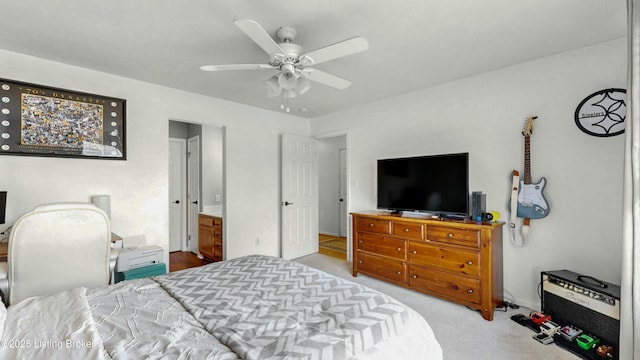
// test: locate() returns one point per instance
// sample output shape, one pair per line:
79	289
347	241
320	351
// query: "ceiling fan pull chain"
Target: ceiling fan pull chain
286	97
284	101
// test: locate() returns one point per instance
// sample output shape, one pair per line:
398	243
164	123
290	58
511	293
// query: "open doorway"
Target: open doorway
333	216
195	181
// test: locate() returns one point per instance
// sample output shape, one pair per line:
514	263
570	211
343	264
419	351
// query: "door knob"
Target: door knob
177	201
195	202
286	203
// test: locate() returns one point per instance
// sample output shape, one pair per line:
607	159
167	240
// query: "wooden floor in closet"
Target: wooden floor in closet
179	260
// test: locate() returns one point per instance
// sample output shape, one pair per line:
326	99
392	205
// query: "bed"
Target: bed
253	307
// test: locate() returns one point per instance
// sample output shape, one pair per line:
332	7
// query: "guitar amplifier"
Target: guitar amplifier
583	301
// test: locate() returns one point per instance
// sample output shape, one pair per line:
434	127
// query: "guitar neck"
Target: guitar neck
526	178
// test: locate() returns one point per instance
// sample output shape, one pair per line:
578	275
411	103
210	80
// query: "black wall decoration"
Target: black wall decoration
602	113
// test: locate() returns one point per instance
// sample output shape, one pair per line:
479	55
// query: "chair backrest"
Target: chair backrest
57	247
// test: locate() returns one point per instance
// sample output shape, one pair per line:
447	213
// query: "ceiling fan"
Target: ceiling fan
291	62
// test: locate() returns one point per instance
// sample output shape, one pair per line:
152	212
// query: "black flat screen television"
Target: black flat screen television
437	184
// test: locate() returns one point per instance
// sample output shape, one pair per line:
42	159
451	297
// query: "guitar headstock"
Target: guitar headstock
527	130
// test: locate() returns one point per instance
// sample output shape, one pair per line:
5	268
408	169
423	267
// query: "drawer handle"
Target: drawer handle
414	276
399	272
450	235
399	249
414	252
360	261
406	230
470	291
469	262
371	225
360	241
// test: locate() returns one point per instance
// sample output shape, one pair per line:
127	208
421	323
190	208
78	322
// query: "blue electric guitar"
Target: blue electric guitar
531	201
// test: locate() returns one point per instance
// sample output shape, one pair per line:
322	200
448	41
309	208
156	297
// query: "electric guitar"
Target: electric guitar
531	201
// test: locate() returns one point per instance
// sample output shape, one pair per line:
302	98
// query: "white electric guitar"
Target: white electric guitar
531	201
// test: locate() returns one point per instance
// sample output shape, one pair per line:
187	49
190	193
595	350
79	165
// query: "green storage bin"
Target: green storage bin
151	270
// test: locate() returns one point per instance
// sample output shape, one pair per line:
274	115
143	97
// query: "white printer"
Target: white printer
135	257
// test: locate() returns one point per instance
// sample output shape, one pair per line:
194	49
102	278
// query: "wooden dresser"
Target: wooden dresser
210	237
456	260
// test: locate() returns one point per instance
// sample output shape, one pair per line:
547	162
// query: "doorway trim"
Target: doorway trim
344	133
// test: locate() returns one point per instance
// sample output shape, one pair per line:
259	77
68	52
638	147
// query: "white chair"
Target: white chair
57	247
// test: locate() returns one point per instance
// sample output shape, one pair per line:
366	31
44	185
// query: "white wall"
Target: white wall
484	115
329	183
139	185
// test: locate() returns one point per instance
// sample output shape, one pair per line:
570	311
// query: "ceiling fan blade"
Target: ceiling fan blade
343	48
326	78
259	35
237	67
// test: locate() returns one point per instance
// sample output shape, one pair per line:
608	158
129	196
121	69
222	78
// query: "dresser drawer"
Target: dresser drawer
451	235
386	268
382	245
455	286
380	226
408	230
465	262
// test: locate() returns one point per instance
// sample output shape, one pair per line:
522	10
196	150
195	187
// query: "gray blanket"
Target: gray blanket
255	307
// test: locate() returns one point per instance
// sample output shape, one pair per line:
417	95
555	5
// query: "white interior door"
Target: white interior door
193	191
342	174
299	196
177	194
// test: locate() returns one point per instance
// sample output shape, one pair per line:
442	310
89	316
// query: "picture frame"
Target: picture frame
40	120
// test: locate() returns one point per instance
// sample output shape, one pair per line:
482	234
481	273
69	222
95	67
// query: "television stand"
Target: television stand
459	261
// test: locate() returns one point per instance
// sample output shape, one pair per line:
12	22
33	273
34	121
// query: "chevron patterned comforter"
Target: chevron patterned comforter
253	307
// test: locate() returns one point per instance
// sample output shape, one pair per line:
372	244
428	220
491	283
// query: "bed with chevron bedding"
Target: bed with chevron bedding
253	307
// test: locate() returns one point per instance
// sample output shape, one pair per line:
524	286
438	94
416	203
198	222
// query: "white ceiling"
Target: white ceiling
413	44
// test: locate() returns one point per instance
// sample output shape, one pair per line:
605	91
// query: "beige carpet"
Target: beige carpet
462	332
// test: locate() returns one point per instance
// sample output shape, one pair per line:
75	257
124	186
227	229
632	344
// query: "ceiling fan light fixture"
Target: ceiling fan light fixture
291	93
287	81
303	86
292	61
273	86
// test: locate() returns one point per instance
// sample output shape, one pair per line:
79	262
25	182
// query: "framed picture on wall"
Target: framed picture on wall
40	120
